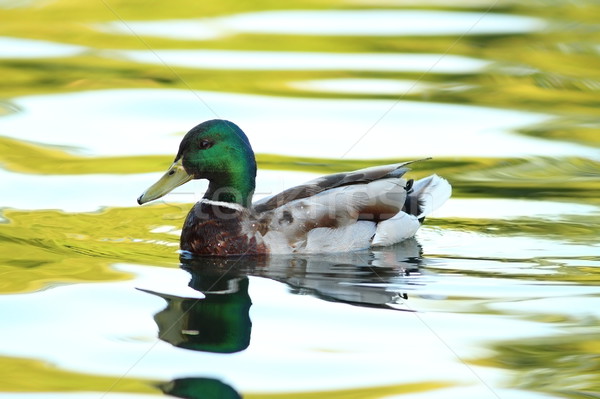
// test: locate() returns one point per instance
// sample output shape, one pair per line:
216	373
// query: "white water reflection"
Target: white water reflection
71	193
459	4
302	61
143	121
91	192
332	23
507	247
12	47
501	208
8	4
479	393
361	86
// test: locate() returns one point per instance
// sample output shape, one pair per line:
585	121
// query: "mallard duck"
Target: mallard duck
341	212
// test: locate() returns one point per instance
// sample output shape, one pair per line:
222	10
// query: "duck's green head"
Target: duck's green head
216	150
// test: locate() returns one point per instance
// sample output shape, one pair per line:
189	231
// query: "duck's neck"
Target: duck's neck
235	185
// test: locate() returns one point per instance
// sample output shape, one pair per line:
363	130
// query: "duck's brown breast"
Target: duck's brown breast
213	228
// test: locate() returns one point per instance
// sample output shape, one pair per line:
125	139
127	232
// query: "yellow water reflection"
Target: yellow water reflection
503	95
30	375
51	247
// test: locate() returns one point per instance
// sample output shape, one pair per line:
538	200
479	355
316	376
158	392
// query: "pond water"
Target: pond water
498	295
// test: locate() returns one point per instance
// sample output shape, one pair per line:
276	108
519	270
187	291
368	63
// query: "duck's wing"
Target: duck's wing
335	220
328	182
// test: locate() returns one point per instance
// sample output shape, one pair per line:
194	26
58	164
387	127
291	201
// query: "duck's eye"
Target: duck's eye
205	144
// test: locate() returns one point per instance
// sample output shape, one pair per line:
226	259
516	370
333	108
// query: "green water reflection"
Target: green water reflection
565	365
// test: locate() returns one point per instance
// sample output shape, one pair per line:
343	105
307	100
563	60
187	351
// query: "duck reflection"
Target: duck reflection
220	322
375	278
199	388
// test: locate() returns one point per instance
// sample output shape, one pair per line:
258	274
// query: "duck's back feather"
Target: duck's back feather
328	182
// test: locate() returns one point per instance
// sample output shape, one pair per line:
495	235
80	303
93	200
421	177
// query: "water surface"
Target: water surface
496	297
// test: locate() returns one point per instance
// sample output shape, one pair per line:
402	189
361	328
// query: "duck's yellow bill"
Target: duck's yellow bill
173	178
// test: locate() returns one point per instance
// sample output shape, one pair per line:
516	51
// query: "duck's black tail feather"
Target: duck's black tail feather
426	195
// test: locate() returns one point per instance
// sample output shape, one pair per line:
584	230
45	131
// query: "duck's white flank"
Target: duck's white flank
396	229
